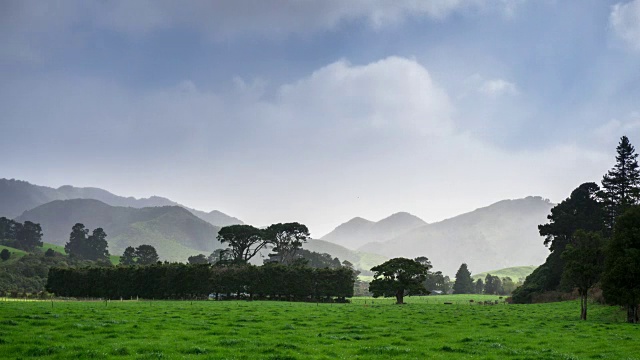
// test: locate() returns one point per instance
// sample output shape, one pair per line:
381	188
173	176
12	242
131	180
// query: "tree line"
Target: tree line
25	236
594	240
492	285
191	281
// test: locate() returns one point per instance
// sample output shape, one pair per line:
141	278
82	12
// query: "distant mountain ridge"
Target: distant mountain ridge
172	230
358	231
501	235
17	196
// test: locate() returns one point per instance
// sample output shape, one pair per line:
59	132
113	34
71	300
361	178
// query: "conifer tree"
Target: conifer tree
464	283
621	184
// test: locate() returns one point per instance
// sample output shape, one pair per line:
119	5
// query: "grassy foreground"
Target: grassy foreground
282	330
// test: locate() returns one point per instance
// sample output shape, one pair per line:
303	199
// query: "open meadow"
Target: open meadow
424	328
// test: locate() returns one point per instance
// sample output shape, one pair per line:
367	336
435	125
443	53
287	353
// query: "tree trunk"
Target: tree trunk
399	297
632	314
583	306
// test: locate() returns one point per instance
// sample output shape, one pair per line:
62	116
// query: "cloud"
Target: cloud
610	132
222	19
625	20
30	27
390	95
343	140
498	87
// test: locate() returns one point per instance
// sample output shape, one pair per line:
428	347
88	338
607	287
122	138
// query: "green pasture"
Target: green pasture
56	248
15	255
288	330
515	273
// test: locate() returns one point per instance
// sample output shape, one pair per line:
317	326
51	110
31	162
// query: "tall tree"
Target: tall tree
621	278
580	211
146	255
77	241
621	184
399	277
286	240
479	286
464	282
129	256
29	236
244	241
89	247
492	285
8	229
584	263
96	246
436	281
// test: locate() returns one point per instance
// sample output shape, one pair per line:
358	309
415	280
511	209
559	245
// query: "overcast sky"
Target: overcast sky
319	111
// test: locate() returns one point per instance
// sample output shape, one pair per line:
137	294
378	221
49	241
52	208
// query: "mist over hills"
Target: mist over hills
18	196
358	231
172	230
501	235
362	261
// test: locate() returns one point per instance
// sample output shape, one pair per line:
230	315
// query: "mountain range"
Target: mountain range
18	196
172	230
501	235
358	231
504	234
176	231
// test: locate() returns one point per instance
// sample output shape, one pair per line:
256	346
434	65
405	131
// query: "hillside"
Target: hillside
15	255
18	196
172	230
361	260
516	273
358	231
501	235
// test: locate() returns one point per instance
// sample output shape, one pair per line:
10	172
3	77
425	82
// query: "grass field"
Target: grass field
283	330
15	254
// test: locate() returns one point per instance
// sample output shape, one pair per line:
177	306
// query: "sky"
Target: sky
319	111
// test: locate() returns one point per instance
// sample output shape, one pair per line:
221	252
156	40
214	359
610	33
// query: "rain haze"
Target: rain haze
319	111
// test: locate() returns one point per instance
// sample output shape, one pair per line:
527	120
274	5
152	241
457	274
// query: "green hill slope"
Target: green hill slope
515	273
173	231
15	255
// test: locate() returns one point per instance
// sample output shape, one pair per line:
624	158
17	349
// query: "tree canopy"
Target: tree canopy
244	241
621	278
147	255
27	236
464	282
286	240
89	247
584	263
198	259
621	184
399	277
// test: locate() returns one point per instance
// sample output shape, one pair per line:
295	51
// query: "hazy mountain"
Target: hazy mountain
216	217
172	230
18	196
361	260
358	231
501	235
